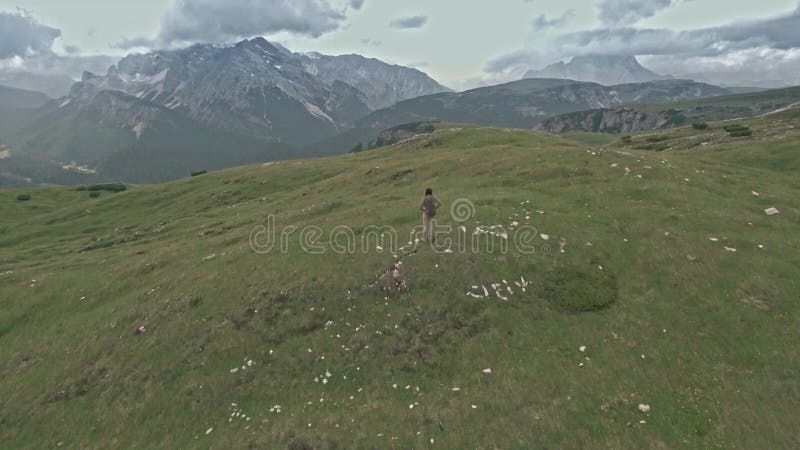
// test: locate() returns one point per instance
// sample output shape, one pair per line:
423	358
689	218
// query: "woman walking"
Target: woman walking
428	206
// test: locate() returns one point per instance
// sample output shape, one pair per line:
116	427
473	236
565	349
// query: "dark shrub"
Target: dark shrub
660	138
735	127
741	133
94	194
700	126
111	187
81	188
23	197
579	289
198	173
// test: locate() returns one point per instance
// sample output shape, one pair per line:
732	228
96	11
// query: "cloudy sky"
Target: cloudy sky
461	44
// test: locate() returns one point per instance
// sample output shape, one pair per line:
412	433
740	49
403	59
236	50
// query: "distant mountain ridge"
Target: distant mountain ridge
53	85
16	104
13	98
648	117
605	70
519	104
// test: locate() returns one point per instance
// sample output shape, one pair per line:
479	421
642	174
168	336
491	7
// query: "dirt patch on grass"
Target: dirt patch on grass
757	293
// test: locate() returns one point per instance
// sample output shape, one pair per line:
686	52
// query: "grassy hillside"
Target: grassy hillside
705	336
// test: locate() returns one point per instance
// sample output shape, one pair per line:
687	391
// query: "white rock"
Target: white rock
487	370
644	408
771	211
582	348
208	431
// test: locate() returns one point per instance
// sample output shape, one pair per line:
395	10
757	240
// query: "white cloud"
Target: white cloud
628	12
766	43
21	35
409	22
32	55
543	23
220	21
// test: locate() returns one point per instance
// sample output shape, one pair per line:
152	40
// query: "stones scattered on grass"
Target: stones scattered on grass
644	408
248	363
237	413
500	289
771	211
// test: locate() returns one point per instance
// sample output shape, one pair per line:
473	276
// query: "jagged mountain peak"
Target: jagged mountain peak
608	70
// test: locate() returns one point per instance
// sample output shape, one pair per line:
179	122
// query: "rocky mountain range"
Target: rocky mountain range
260	89
252	101
606	70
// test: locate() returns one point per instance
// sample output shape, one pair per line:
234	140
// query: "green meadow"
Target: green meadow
660	307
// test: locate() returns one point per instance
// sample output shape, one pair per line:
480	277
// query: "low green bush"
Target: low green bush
741	133
94	194
111	187
700	126
198	173
735	128
660	138
23	197
579	289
